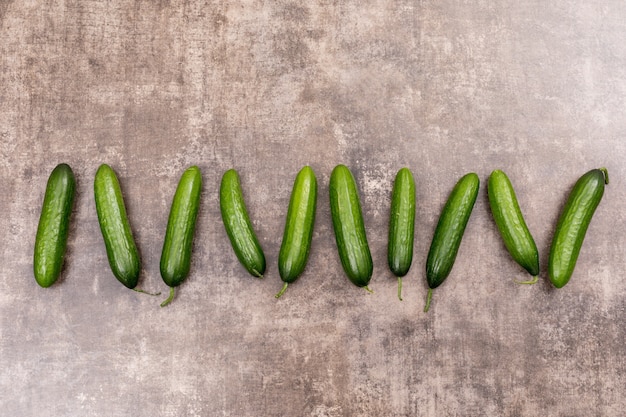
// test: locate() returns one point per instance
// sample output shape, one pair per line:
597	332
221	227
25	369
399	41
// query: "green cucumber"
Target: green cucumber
401	226
51	239
573	223
449	232
238	226
118	238
345	208
294	250
181	226
510	222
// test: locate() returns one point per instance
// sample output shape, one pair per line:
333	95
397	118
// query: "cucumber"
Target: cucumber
510	222
296	244
401	226
573	223
181	226
118	238
51	239
238	226
345	208
449	232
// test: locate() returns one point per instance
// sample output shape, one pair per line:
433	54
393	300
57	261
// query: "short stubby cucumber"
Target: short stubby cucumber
238	226
573	223
181	225
511	225
401	226
345	208
52	231
298	232
449	232
118	238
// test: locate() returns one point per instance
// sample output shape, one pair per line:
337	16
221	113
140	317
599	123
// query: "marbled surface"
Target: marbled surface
535	88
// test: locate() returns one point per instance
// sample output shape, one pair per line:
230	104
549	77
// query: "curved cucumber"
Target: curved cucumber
508	217
118	238
352	245
51	240
294	250
181	225
573	223
401	226
238	225
449	232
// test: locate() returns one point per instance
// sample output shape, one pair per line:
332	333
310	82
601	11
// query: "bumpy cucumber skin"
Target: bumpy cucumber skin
118	238
450	229
349	228
181	225
401	223
296	244
572	225
238	226
51	239
510	222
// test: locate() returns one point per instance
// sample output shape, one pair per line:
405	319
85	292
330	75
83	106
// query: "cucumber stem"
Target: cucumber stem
169	299
146	292
368	289
282	290
529	282
428	298
400	288
257	273
606	175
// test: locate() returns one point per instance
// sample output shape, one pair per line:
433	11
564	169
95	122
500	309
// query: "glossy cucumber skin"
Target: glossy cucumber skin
349	228
181	225
238	226
510	222
51	239
118	238
450	229
401	223
296	244
572	225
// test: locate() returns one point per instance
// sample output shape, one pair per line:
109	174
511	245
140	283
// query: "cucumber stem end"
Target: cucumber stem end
529	282
282	290
400	288
428	298
169	299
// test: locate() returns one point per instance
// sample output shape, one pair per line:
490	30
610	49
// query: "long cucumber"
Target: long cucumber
449	232
181	225
345	207
238	225
573	223
296	244
401	226
511	225
118	238
52	230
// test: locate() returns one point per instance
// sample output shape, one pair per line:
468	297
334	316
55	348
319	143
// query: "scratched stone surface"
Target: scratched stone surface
535	88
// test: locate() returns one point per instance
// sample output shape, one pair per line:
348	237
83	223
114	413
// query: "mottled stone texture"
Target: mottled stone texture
536	88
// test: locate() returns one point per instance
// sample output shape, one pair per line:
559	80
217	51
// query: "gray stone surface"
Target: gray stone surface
445	87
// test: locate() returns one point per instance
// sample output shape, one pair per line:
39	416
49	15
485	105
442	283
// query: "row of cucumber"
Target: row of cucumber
347	219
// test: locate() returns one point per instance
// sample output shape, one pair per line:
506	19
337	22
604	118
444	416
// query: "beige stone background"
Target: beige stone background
446	87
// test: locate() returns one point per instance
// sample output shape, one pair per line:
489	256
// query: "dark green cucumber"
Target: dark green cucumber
350	236
294	250
449	232
238	225
508	217
51	239
401	226
181	226
118	238
573	223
